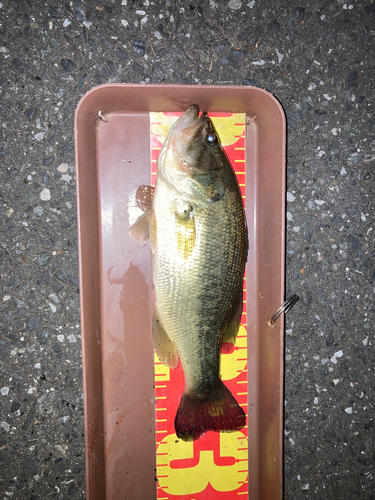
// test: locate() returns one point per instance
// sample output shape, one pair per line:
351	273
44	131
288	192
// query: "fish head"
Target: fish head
195	144
192	160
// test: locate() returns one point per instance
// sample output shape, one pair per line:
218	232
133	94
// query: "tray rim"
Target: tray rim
84	101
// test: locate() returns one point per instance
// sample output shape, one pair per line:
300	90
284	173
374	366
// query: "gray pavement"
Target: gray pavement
318	59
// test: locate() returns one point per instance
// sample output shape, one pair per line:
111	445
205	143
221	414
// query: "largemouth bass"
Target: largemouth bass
197	231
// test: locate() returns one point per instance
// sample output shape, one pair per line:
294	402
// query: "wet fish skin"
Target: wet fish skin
199	245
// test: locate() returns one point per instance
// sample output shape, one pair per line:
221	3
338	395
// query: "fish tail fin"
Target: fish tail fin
219	411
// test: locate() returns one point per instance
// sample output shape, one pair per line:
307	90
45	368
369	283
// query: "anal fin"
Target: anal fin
165	348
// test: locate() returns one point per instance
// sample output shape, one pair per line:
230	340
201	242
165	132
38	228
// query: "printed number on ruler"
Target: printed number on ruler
215	465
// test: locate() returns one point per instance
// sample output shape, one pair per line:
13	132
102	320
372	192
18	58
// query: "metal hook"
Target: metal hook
102	117
284	308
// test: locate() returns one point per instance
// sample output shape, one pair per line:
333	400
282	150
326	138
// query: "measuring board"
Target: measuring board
215	467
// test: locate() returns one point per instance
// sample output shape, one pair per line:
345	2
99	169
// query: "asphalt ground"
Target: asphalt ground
318	59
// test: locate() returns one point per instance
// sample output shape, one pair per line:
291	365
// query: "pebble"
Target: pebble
290	196
158	75
53	297
65	148
45	178
337	354
38	211
39	136
352	80
46	403
56	286
57	348
48	161
4	391
279	56
139	47
42	336
330	340
68	65
234	4
310	205
251	81
66	177
354	159
236	57
259	62
63	168
3	424
33	323
45	194
121	53
16	63
62	274
30	113
43	259
79	10
52	307
273	27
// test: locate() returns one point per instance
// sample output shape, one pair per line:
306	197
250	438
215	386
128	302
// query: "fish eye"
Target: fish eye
211	138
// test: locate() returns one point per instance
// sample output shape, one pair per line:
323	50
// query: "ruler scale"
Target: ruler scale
215	467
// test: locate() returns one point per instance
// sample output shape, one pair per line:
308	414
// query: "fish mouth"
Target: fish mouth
192	126
189	116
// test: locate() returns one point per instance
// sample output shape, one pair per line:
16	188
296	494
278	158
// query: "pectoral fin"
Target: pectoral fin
164	347
140	230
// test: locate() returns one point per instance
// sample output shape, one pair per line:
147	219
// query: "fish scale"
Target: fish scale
193	281
199	244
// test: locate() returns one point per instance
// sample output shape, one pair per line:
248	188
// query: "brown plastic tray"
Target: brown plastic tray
112	136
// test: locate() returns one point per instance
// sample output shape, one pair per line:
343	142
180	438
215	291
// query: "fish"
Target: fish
197	230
